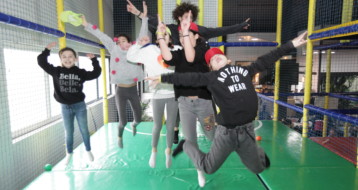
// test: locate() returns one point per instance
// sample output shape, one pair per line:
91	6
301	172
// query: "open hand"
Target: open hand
131	8
300	40
90	55
84	21
51	45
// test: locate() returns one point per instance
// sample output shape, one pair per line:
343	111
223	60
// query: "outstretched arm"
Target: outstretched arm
266	61
42	59
153	22
208	33
96	72
166	53
104	38
184	79
187	45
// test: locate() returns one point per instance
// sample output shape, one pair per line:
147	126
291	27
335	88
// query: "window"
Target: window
30	90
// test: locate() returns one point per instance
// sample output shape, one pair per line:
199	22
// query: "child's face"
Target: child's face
144	40
193	37
218	61
68	59
123	43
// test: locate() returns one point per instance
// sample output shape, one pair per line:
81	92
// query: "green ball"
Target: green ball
48	167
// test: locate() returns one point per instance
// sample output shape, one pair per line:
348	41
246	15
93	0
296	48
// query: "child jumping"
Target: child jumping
163	95
68	82
123	74
235	95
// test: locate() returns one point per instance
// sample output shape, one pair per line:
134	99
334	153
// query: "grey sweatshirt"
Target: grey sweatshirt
121	71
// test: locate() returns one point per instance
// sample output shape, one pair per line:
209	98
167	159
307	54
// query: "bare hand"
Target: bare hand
248	25
300	40
131	8
161	28
185	24
154	79
84	21
145	9
51	45
90	55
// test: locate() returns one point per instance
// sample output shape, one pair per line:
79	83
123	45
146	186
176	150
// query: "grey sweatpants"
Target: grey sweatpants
158	112
190	111
240	139
122	95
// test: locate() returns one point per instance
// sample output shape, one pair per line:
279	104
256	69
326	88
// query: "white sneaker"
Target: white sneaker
68	158
168	159
152	160
90	156
201	178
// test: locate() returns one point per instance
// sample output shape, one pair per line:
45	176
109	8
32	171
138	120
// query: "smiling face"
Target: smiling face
123	43
68	59
218	61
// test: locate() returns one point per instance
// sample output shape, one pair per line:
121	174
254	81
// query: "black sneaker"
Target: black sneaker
267	161
176	137
179	148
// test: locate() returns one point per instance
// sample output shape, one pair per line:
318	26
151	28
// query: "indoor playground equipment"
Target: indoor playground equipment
307	120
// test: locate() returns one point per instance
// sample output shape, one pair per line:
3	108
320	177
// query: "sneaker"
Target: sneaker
90	156
168	160
153	159
176	137
68	158
120	142
134	128
267	161
179	148
201	178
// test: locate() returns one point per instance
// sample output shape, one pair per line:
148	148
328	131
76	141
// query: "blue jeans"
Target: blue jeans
68	114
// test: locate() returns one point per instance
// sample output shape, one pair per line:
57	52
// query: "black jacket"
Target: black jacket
231	87
68	83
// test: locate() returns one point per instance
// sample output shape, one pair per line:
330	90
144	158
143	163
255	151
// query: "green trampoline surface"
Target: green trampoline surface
296	163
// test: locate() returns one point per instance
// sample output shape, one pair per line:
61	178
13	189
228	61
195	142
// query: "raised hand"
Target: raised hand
132	9
145	9
84	21
300	40
247	21
51	45
185	24
90	55
161	28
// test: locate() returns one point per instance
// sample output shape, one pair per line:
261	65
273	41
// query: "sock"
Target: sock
120	142
68	158
90	156
152	160
201	178
134	128
179	148
176	137
168	159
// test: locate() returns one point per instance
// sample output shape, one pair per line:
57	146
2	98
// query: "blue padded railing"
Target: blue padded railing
44	29
333	114
30	25
241	44
343	97
337	46
335	32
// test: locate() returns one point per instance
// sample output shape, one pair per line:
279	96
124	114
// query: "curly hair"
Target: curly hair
183	8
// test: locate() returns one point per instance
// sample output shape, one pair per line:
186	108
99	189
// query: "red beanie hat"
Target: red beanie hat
193	27
210	53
